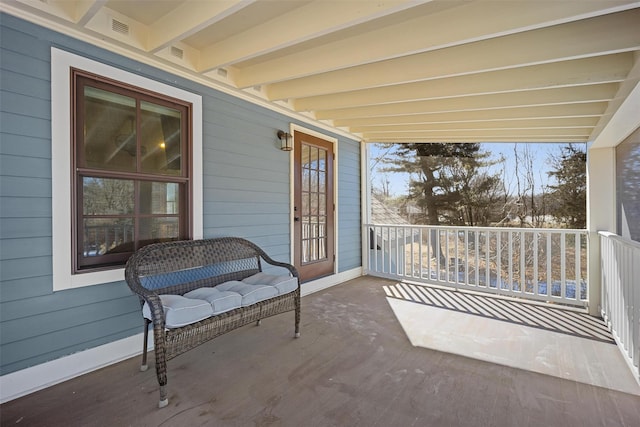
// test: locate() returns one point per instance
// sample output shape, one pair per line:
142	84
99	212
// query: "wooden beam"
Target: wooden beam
600	69
295	27
188	19
571	95
431	30
592	109
558	43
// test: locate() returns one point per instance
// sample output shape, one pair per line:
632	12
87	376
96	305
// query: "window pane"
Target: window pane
159	197
109	134
158	229
105	196
628	187
107	235
160	139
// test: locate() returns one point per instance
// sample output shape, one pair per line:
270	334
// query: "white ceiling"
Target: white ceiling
388	70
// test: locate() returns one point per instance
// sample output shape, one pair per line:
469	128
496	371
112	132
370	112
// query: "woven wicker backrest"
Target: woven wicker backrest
179	267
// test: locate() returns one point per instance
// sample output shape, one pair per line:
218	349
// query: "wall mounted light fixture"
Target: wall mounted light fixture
286	140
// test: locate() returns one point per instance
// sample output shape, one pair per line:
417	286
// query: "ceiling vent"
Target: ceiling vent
119	27
222	72
177	52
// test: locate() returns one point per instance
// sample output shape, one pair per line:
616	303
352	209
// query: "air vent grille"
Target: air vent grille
177	52
119	27
222	72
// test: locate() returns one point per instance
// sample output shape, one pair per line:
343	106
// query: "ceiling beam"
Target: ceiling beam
534	123
427	32
571	95
563	42
601	69
296	27
593	109
85	10
189	18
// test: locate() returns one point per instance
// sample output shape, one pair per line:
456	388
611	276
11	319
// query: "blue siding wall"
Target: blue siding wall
246	193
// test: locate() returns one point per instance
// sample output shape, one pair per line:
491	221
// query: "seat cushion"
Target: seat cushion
220	301
284	284
251	294
180	311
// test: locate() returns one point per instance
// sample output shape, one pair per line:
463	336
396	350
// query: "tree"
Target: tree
569	193
446	181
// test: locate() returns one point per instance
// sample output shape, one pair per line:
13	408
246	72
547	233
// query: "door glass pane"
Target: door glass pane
305	179
109	132
105	196
106	236
313	158
159	198
313	181
322	182
160	139
322	160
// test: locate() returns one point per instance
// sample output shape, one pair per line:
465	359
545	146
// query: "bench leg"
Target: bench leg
161	364
164	400
144	365
297	333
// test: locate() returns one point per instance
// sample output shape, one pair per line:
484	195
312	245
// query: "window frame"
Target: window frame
63	175
82	80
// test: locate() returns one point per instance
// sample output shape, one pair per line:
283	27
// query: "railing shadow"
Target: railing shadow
535	315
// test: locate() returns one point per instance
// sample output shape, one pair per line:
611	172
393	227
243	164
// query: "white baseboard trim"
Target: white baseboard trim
30	380
329	281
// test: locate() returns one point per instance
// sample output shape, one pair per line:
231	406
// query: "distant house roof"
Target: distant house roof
382	214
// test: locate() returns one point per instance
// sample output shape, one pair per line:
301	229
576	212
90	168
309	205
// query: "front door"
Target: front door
313	207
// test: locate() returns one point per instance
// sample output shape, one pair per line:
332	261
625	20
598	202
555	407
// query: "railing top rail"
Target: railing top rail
462	227
623	240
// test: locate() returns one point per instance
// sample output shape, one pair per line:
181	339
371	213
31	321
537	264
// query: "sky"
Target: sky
541	152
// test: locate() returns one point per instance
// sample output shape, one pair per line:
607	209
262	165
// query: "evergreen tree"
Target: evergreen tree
569	193
446	182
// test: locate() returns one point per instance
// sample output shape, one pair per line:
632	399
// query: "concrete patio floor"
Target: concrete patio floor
370	355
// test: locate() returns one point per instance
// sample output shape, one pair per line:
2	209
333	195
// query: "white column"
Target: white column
601	214
365	203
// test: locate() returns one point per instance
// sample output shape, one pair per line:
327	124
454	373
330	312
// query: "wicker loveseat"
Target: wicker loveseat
193	291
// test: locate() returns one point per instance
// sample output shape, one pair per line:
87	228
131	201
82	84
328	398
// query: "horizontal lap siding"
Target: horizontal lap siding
246	192
349	218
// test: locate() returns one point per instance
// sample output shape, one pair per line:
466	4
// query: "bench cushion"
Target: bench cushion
180	311
251	294
220	300
284	284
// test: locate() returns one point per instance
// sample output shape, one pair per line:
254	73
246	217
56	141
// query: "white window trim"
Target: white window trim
61	182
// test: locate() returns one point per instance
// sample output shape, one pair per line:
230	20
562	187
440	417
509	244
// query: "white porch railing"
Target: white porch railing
620	268
534	263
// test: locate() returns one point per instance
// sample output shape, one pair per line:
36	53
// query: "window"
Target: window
162	185
628	187
131	170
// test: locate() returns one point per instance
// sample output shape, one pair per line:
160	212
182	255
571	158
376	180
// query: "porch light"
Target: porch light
286	140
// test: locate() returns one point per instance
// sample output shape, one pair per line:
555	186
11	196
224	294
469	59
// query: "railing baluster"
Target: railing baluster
477	258
487	261
466	256
499	261
549	276
577	247
523	267
511	261
563	265
536	289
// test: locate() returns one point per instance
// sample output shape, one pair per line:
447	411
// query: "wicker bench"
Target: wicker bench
193	291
